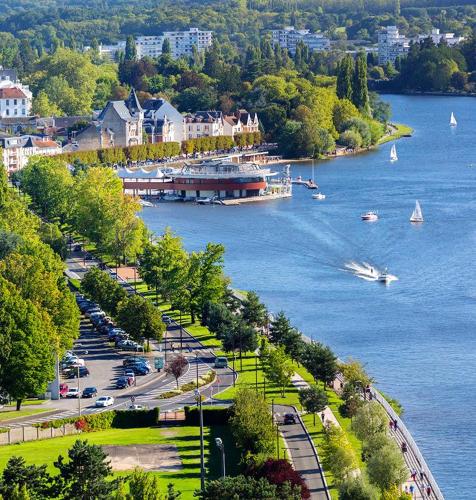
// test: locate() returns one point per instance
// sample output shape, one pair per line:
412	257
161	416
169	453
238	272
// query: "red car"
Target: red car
63	389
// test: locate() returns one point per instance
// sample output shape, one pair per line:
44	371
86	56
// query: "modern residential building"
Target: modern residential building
204	124
156	110
110	51
119	124
17	150
181	43
15	99
391	44
289	37
437	37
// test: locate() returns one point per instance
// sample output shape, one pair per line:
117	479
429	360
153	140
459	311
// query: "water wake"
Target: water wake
366	271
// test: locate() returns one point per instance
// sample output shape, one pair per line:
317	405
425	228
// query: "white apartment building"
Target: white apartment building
437	37
289	37
17	150
181	43
391	45
15	99
204	124
110	51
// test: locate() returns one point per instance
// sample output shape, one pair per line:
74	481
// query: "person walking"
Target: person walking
422	475
390	424
428	491
413	474
395	424
412	490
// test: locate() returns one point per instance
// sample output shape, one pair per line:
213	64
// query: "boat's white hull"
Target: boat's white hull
416	220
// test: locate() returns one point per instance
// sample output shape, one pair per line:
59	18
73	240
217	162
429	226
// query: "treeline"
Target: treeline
430	67
88	202
39	318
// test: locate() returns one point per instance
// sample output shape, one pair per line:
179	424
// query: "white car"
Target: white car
136	407
73	392
104	401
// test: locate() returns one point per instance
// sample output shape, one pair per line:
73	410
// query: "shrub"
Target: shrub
350	139
211	415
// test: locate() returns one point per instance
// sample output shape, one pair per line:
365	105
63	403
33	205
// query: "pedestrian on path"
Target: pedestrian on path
428	491
413	474
395	424
390	424
422	475
323	417
412	489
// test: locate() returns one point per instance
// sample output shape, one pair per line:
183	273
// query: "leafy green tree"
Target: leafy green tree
293	344
140	319
219	319
242	337
18	474
9	242
350	139
251	423
386	467
51	235
166	49
20	493
357	488
49	183
246	487
360	96
320	362
361	127
338	456
42	106
313	399
344	88
26	353
254	312
343	111
130	53
279	328
371	419
144	486
279	368
98	286
86	474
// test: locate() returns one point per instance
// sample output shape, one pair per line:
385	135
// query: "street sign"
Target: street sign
159	363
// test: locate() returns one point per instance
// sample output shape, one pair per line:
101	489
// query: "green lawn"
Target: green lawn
12	414
186	438
400	132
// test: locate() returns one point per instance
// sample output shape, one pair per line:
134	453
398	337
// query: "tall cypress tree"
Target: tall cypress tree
360	93
344	78
130	52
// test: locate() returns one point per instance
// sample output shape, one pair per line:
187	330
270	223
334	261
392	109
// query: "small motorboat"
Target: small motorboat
311	184
386	277
146	203
203	200
319	196
369	216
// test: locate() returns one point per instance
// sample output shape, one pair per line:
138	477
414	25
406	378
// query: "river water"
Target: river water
417	335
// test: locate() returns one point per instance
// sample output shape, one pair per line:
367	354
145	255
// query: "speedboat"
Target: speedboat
203	200
369	216
319	196
385	277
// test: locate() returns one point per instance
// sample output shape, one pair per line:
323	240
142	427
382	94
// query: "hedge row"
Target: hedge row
112	156
114	419
211	415
157	151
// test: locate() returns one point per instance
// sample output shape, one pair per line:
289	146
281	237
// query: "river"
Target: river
417	335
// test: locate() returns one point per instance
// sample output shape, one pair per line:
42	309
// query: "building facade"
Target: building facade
181	43
17	150
119	124
289	37
449	38
204	124
156	110
15	99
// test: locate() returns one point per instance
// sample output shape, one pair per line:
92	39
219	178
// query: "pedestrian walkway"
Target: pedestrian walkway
329	417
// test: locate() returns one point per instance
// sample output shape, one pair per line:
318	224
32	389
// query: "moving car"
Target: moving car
221	362
90	392
104	401
290	418
73	392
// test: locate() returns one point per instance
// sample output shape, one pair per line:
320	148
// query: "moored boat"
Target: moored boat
369	216
319	196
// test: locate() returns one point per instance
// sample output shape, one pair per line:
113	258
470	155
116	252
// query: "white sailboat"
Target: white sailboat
417	215
453	121
393	153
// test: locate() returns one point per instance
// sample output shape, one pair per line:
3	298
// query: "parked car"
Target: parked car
90	392
122	383
133	360
221	362
140	369
104	401
290	418
63	390
128	345
73	392
73	372
166	319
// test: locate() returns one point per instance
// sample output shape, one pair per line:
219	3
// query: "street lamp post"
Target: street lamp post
181	330
221	447
202	450
196	365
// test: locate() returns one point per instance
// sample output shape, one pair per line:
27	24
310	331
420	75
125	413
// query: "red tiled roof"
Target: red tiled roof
45	144
12	93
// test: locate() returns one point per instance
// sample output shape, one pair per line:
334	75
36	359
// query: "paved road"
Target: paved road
302	454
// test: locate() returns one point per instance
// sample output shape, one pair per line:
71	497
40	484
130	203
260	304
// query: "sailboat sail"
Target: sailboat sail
417	215
453	121
393	153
